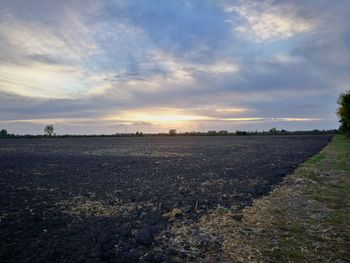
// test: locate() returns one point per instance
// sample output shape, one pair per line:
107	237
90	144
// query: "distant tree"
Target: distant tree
3	133
172	132
240	133
49	129
273	130
343	111
223	132
212	133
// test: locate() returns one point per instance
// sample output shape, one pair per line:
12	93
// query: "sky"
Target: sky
92	67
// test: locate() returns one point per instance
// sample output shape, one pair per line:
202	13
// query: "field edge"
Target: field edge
304	219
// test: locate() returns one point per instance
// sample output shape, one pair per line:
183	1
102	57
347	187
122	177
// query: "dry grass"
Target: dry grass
305	219
83	206
87	206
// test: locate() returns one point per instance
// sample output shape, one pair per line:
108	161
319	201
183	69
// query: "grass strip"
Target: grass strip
304	219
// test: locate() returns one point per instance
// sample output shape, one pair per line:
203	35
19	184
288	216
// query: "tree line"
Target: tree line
273	131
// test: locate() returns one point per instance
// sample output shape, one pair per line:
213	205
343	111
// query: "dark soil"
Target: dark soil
110	199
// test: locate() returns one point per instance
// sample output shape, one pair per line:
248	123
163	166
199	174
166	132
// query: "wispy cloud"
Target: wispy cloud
264	21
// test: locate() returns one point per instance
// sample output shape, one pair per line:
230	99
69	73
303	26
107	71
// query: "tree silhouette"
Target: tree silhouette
3	133
49	129
172	132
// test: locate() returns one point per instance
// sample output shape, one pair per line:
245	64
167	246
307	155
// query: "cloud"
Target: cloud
186	28
264	21
233	64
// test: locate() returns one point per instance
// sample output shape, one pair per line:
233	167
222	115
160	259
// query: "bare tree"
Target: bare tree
3	133
172	132
49	129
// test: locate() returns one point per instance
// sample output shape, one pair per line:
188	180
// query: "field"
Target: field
118	199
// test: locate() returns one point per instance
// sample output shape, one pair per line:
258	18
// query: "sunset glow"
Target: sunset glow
165	118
